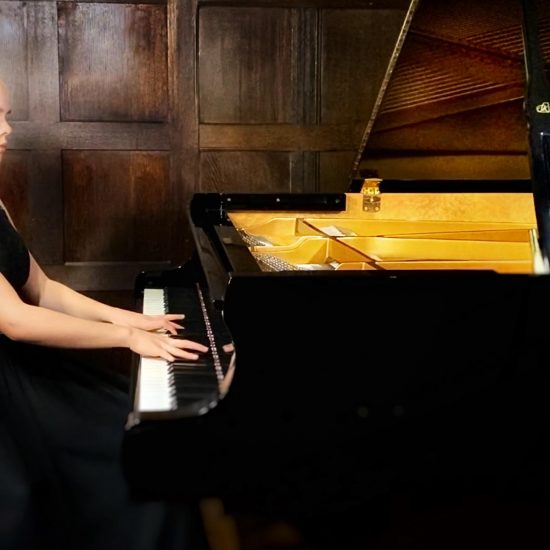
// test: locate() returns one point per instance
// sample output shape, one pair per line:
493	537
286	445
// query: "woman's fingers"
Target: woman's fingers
189	344
172	329
177	347
165	322
228	348
174	316
166	356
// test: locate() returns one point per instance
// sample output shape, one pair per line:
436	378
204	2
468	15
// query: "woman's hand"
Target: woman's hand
134	319
155	344
150	335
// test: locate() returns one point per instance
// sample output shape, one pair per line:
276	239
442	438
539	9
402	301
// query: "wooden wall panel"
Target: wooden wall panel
124	109
92	79
255	172
14	186
248	65
118	206
335	170
45	205
281	137
14	55
113	62
299	82
356	47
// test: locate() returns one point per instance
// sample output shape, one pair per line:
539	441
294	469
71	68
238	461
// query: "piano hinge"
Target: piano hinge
372	201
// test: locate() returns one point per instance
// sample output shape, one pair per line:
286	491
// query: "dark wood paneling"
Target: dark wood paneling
336	4
102	275
14	185
43	63
111	69
90	135
334	171
280	137
316	98
14	55
107	185
356	48
113	62
163	2
46	205
184	125
248	65
118	206
253	172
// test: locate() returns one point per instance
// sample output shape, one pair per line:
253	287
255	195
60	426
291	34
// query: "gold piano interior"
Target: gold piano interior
398	231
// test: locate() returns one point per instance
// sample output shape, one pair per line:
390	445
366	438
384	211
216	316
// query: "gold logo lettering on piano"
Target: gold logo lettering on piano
543	107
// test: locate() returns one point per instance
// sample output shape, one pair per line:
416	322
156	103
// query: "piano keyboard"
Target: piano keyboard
187	387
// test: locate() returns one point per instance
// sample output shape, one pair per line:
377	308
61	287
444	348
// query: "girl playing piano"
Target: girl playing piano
61	423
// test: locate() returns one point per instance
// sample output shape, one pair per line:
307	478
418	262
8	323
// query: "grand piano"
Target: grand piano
386	338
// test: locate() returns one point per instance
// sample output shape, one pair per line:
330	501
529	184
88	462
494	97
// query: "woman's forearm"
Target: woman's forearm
58	297
38	325
27	322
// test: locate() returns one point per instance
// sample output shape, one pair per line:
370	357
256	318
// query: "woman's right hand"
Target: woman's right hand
154	344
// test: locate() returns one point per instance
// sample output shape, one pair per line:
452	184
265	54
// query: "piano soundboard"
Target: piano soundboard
183	387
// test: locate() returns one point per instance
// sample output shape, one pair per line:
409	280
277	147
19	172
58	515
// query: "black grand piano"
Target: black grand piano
388	338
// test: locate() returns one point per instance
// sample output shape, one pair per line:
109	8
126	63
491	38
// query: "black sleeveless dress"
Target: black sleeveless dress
61	428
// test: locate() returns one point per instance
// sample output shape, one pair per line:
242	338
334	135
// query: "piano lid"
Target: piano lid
453	107
470	79
384	84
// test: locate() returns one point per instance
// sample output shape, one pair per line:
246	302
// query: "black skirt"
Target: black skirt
61	482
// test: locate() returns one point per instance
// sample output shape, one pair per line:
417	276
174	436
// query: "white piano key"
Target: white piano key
156	385
153	301
155	391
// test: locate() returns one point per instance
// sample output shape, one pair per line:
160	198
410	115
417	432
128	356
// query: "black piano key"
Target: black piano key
198	365
203	361
187	301
191	401
190	373
190	391
201	338
193	394
194	378
181	391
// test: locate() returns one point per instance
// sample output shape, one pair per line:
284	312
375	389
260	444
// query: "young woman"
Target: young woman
61	422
